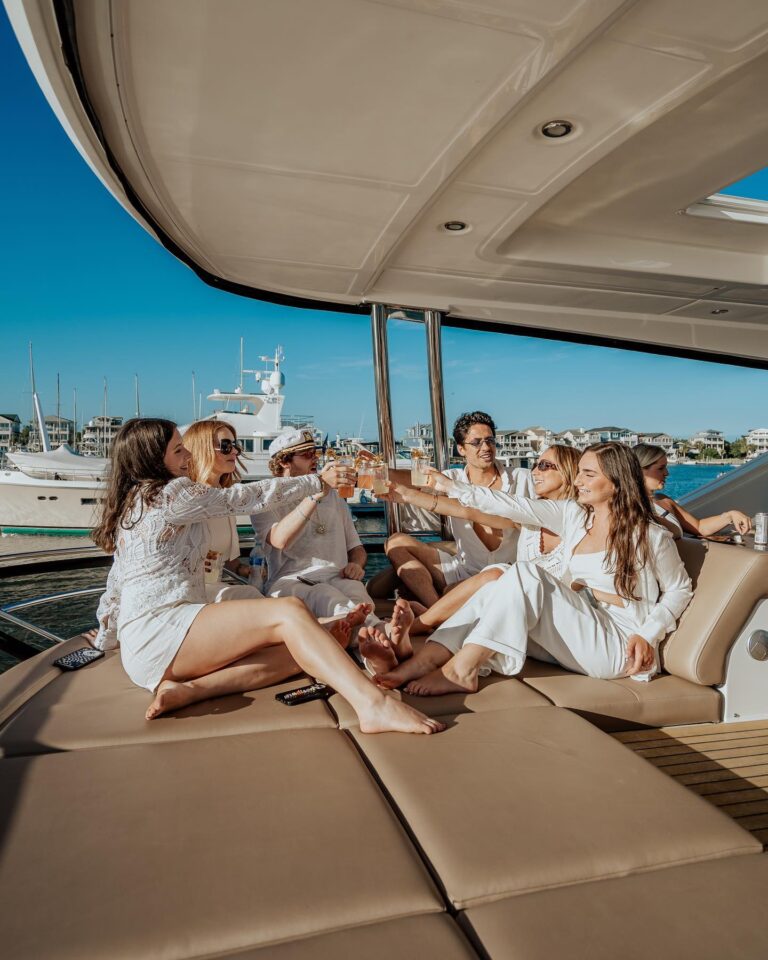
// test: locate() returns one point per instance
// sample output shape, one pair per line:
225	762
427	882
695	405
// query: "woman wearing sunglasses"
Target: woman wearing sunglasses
553	478
214	454
612	542
172	641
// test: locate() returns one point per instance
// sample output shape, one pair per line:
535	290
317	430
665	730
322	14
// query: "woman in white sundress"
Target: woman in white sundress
174	642
616	546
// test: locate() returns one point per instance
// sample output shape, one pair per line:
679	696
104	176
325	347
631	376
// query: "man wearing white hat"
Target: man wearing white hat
311	550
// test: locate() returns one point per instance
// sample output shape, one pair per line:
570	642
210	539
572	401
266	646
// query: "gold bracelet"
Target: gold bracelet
433	507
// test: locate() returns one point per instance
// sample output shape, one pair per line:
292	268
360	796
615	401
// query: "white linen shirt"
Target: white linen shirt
663	586
314	554
160	560
471	552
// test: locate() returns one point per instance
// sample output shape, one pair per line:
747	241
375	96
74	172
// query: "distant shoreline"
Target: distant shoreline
715	462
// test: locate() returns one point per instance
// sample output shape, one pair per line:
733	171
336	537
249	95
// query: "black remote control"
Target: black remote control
315	691
78	658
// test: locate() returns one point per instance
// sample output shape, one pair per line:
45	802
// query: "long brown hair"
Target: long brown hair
138	468
200	440
627	548
567	459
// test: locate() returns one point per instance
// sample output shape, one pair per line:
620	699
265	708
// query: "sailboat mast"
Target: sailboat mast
241	364
74	417
194	397
104	423
45	442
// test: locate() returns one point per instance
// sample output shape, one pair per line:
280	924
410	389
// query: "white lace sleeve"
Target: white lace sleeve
109	608
183	501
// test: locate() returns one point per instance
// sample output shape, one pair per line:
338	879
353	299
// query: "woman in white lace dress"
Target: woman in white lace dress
172	641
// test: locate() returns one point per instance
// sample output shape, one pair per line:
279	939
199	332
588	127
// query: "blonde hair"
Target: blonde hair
567	459
200	440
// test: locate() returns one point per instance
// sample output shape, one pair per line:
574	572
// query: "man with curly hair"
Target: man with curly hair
428	571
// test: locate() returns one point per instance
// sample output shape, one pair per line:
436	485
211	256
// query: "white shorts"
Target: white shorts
149	642
452	569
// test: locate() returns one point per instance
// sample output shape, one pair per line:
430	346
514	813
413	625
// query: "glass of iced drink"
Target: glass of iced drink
364	475
347	490
379	476
418	463
214	564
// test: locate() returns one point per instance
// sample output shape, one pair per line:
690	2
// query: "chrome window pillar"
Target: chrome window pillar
384	402
433	330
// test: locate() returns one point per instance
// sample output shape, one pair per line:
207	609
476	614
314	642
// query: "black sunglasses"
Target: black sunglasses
490	441
543	465
227	446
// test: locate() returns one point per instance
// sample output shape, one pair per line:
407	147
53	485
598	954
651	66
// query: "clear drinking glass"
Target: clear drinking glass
365	476
418	463
347	491
379	476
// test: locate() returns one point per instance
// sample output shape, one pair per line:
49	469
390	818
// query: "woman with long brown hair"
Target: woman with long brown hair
612	543
172	641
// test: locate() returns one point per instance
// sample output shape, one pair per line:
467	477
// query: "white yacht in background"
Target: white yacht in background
255	417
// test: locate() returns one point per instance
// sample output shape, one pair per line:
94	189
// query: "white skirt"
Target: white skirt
149	643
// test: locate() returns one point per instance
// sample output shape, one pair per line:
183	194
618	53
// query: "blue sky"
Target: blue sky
100	298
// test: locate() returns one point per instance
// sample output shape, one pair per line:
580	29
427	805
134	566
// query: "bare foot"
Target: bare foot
341	631
391	716
429	658
376	647
89	635
170	695
342	627
399	626
449	678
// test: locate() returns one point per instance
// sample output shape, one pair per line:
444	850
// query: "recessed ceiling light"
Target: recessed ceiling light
455	226
716	313
556	129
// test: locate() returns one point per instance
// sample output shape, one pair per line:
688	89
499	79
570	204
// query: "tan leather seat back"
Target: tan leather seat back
728	582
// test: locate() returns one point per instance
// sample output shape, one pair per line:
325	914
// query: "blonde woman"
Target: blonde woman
653	461
214	453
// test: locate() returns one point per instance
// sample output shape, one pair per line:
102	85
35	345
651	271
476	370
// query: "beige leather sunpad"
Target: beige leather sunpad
99	706
706	911
728	582
619	704
495	693
513	801
431	937
199	847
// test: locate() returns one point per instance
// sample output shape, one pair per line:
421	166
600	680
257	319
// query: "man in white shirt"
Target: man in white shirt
311	550
428	571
